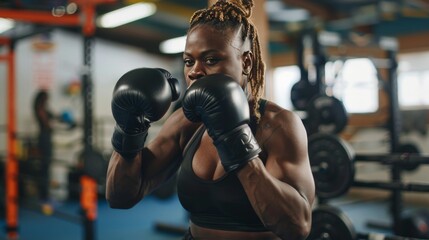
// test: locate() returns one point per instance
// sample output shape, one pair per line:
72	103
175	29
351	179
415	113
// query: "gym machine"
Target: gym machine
330	223
324	113
88	181
332	161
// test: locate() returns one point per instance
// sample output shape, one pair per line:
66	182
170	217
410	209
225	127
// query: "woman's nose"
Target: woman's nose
196	72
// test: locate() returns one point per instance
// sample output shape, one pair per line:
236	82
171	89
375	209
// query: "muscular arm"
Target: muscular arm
128	181
282	191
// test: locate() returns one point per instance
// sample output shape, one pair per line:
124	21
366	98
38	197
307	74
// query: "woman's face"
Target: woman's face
210	51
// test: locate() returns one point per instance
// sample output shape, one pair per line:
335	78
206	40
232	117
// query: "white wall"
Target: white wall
109	61
64	64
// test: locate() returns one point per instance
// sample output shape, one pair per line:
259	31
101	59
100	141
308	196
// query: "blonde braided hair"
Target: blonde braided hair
235	14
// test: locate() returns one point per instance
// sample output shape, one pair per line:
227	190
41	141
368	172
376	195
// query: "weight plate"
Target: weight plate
326	114
332	165
410	148
301	94
329	223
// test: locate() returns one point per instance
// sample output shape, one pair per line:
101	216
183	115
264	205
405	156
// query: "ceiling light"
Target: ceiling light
6	24
290	15
125	15
174	45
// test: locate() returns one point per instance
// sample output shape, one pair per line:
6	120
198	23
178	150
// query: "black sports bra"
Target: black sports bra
220	204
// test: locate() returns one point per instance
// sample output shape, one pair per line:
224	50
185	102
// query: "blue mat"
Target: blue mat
112	224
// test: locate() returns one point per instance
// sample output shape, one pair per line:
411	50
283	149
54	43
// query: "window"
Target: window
413	81
356	84
353	81
283	80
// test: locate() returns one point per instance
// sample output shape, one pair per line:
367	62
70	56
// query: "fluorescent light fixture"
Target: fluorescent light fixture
125	15
174	45
6	24
290	15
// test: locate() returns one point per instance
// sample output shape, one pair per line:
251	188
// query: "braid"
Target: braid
235	14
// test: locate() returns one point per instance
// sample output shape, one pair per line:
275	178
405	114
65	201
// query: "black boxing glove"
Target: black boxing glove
140	97
220	103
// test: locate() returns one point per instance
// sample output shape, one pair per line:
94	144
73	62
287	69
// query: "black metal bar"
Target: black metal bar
300	56
380	236
319	62
393	159
393	186
87	94
394	125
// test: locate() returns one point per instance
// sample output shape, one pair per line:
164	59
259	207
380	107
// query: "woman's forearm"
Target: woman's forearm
281	208
124	181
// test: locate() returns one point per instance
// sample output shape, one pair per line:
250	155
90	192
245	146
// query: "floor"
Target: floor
141	221
138	222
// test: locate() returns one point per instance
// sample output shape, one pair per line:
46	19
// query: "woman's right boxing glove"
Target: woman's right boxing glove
140	96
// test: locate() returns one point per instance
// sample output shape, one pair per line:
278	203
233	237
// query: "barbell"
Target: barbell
325	114
332	163
330	223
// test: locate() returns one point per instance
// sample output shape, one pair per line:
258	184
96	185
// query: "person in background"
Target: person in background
242	161
44	119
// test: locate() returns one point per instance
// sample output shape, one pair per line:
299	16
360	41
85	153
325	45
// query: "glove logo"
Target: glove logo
246	141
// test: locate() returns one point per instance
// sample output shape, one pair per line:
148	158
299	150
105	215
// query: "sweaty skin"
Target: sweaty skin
280	186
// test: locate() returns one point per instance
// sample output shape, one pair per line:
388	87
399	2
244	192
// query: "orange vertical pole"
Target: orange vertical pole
89	185
88	198
12	161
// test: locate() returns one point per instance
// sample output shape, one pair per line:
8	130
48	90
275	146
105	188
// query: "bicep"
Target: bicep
288	158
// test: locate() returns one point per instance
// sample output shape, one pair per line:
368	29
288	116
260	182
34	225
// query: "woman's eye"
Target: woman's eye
188	62
212	61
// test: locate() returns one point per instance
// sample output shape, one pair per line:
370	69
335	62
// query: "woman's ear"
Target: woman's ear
247	59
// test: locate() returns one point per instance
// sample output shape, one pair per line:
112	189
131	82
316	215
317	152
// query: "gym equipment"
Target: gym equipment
415	224
330	223
303	90
332	162
67	117
410	148
326	114
85	21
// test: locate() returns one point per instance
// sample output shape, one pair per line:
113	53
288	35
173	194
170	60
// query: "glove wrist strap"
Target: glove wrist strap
128	145
237	147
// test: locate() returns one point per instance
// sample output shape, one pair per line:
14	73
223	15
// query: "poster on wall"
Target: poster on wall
43	62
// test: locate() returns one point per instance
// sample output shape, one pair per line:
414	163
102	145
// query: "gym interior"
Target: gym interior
355	71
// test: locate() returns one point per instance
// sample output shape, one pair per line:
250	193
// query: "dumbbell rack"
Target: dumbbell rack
332	160
394	124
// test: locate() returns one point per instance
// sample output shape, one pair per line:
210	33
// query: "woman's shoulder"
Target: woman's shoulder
279	127
274	113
